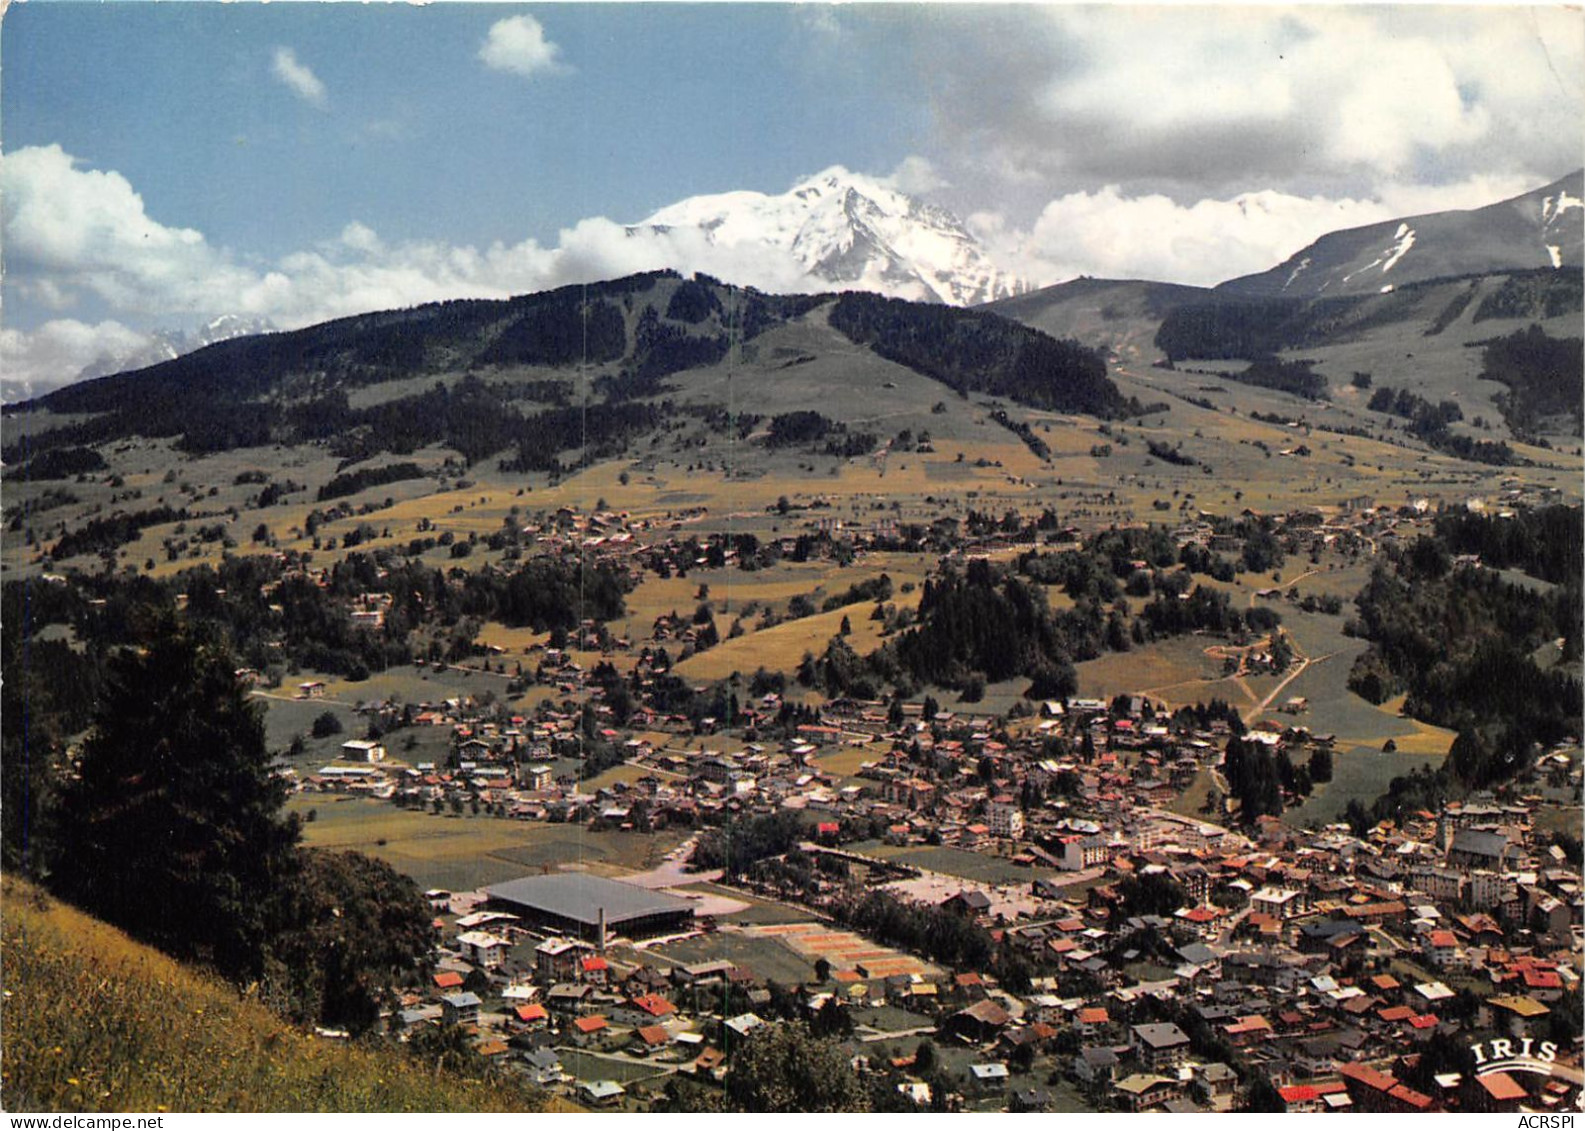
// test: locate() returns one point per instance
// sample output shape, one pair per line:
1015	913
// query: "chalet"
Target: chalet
568	997
982	1021
602	1093
969	903
646	1009
1095	1065
1030	1099
1143	1091
542	1067
652	1038
362	750
557	960
1217	1086
989	1077
460	1008
532	1015
1160	1046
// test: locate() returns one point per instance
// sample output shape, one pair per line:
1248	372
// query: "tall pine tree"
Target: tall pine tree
172	828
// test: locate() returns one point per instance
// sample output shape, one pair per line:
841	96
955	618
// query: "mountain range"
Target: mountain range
167	344
854	233
845	231
1540	228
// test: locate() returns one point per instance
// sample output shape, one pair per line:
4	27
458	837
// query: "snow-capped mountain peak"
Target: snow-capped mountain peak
164	345
849	230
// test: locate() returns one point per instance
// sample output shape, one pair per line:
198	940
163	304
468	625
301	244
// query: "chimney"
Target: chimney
600	938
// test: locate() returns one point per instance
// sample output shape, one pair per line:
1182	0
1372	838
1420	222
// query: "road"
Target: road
1276	691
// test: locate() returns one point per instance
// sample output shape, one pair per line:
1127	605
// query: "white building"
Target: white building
1004	816
362	750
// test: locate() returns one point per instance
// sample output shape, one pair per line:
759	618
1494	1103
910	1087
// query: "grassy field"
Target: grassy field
1358	773
950	862
462	853
738	480
587	1066
782	646
1559	819
1171	670
97	1022
847	760
890	1019
1191	802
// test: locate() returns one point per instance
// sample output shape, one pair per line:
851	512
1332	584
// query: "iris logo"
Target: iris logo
1504	1055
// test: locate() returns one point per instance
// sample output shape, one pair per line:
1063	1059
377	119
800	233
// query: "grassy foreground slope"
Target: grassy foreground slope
93	1021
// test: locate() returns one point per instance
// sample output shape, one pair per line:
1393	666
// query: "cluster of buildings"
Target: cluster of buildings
1320	962
1167	960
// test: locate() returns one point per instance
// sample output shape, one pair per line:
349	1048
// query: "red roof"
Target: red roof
595	962
448	980
1368	1076
1442	938
1407	1095
1424	1021
531	1013
654	1005
1502	1086
589	1024
1298	1093
1094	1016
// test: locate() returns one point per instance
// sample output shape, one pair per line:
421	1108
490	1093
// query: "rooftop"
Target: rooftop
581	897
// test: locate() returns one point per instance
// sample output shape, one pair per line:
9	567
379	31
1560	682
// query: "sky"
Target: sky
163	163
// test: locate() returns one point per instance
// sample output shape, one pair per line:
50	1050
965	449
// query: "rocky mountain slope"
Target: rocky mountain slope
1542	228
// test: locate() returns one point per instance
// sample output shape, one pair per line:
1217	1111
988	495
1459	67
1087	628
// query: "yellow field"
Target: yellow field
781	647
1425	738
847	760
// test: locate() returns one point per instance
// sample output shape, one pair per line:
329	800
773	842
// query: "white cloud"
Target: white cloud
1307	98
916	176
69	229
302	81
71	232
57	352
518	44
1112	234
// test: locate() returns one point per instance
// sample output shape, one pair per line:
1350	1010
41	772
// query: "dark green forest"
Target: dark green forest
1460	641
977	352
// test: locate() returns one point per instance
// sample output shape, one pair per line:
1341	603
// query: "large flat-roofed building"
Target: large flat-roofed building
575	903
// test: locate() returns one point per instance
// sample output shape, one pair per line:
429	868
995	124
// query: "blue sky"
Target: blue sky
419	138
166	162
